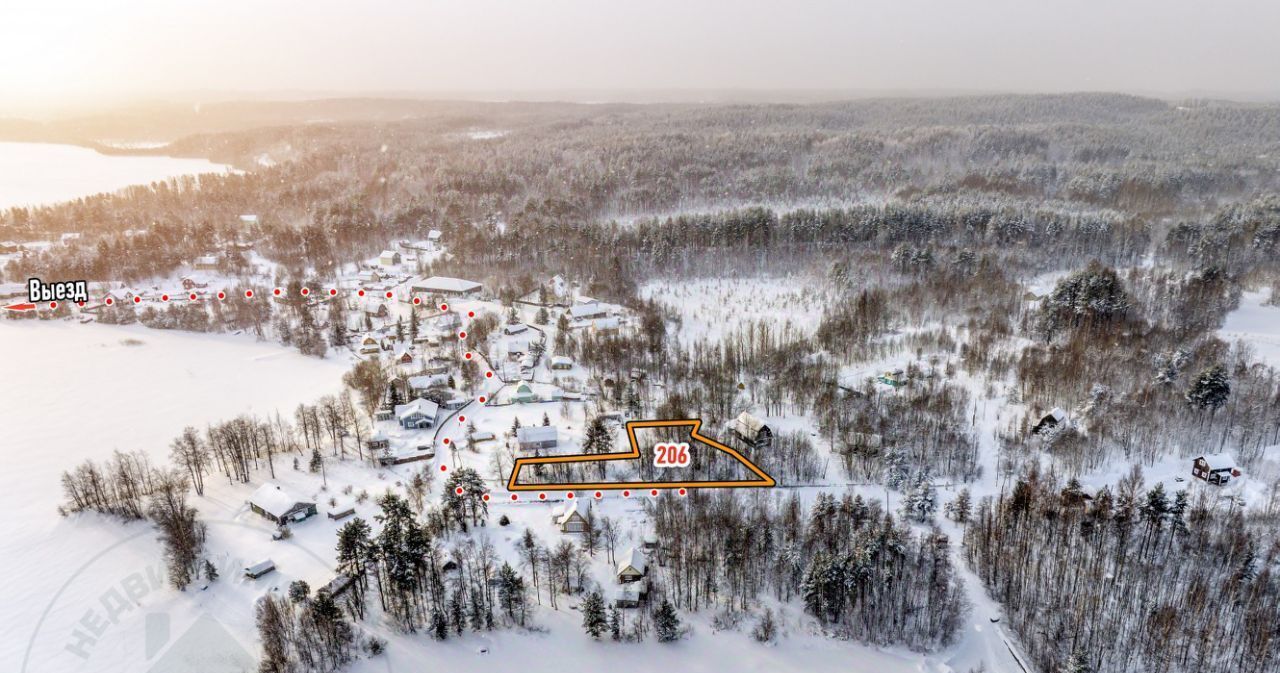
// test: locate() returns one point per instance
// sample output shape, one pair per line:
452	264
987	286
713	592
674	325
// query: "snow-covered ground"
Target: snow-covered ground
1257	323
74	391
34	174
711	308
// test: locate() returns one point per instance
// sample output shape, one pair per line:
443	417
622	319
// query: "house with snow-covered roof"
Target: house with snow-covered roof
389	258
571	517
417	415
1215	468
444	286
536	437
275	504
632	566
752	430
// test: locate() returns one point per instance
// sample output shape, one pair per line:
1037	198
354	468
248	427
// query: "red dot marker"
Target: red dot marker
444	468
164	297
276	291
514	497
248	294
222	295
137	300
654	493
79	303
626	494
444	307
542	496
360	293
192	297
110	301
485	497
417	300
467	355
482	399
462	419
333	292
488	375
569	495
53	304
683	492
458	490
471	314
446	440
306	291
462	335
388	294
599	495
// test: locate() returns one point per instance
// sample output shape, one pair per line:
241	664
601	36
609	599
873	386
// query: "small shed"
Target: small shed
259	569
389	258
1057	417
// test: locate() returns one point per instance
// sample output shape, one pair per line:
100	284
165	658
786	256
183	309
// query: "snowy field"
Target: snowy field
711	308
73	392
34	174
1257	323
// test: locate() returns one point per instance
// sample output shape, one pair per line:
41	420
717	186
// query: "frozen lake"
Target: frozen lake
33	174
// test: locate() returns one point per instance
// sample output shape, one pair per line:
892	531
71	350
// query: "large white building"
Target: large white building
443	286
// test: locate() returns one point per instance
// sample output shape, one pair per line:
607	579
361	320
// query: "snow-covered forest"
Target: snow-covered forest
985	335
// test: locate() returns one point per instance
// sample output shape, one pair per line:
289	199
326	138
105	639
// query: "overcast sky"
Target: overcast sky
99	49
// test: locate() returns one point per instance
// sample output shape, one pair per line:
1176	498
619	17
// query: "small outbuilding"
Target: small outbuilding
632	566
259	569
752	430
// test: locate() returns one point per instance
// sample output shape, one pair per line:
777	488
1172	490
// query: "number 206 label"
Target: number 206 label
670	455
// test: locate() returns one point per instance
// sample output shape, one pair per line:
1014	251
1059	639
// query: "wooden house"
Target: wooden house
571	517
275	504
752	430
1216	468
259	569
417	415
632	566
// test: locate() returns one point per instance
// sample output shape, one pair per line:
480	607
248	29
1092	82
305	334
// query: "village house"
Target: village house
404	355
515	328
443	286
537	437
606	326
1216	468
389	258
374	308
419	385
626	596
417	415
588	311
752	430
369	344
1056	418
274	504
631	566
368	277
433	239
571	517
561	362
896	378
206	263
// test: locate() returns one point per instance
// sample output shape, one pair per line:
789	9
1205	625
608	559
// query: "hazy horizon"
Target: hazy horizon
79	53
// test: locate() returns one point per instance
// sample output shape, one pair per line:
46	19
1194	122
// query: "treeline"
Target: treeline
1127	578
855	569
128	486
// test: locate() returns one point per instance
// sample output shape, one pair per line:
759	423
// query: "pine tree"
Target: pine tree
1210	389
666	622
210	571
593	619
615	623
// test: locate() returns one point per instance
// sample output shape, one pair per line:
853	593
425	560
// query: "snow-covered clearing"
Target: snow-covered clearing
1256	323
711	308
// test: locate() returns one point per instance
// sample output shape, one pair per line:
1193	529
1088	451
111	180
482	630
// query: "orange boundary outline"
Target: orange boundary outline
694	424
